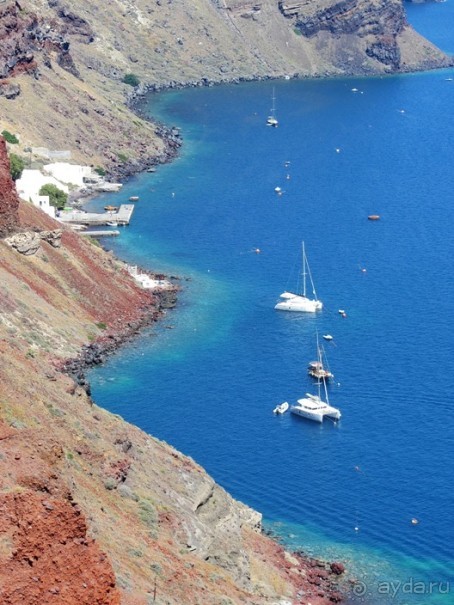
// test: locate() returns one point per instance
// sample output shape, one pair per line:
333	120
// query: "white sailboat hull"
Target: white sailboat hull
314	408
298	303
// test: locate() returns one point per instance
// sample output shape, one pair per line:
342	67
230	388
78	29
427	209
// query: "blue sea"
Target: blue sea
344	149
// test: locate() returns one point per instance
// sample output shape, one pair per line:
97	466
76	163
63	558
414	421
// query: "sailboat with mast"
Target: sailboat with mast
313	407
291	301
272	120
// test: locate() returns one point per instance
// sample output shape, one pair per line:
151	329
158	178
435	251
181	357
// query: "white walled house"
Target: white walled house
29	185
71	174
42	201
31	182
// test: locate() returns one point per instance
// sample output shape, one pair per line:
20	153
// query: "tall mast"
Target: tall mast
306	265
320	359
304	272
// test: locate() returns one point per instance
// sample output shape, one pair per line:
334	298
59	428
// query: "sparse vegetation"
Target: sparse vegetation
57	197
110	483
122	156
100	170
17	165
131	80
148	515
10	138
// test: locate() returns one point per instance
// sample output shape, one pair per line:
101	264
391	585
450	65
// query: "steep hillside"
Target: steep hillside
62	64
93	510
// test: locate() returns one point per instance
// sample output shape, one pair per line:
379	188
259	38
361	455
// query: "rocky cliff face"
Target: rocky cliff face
379	22
9	202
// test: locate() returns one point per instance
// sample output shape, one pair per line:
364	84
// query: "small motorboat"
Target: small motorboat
281	408
133	198
327	337
374	217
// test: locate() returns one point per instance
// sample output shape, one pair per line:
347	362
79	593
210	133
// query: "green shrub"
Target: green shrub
16	166
57	197
148	514
100	170
110	483
131	79
122	156
10	138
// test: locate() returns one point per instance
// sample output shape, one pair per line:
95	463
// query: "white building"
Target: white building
29	185
71	174
42	201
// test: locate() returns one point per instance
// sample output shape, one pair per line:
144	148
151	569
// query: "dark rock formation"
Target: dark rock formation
385	50
9	202
25	40
383	20
75	25
9	90
337	568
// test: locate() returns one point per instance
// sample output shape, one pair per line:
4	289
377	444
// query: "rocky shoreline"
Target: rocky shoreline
97	352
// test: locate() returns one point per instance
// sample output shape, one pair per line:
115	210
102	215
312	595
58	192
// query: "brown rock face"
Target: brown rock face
9	202
45	555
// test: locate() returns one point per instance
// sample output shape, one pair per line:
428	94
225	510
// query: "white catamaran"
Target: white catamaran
291	301
312	406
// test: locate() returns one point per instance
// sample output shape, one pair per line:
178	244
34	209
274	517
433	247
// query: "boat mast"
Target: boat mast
323	378
304	271
306	265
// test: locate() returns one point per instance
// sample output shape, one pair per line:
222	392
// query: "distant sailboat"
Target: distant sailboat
291	301
272	120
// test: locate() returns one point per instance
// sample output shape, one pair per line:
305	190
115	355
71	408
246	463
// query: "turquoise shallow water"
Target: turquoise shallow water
208	386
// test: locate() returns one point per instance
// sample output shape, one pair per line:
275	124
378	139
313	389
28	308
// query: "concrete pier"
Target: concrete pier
100	233
120	217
